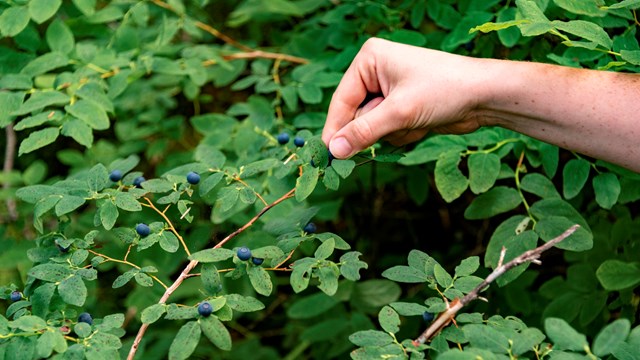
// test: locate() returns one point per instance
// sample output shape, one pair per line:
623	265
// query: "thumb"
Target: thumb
363	131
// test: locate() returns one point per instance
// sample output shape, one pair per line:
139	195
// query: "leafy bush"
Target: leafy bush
189	101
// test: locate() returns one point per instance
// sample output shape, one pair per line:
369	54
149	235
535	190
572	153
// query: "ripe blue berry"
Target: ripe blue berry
143	230
283	138
310	228
193	178
298	141
16	296
205	309
257	261
244	253
331	157
137	182
115	176
427	316
85	318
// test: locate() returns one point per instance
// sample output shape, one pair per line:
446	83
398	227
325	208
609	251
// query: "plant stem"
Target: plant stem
192	264
528	256
171	227
125	262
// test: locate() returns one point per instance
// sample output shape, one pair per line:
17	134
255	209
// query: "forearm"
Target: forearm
596	113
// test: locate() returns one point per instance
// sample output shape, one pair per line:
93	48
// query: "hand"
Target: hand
420	90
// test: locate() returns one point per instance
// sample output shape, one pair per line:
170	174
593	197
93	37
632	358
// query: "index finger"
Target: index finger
359	80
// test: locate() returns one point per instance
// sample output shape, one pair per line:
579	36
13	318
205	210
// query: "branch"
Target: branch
528	256
171	227
185	273
249	52
9	155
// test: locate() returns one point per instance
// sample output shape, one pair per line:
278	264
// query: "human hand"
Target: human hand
420	90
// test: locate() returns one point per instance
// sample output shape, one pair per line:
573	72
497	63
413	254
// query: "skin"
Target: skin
418	90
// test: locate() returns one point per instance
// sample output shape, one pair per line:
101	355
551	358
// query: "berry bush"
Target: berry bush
154	205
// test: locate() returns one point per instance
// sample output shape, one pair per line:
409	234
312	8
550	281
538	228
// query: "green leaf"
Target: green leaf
552	226
586	30
325	249
310	93
216	332
169	242
68	203
28	323
40	100
389	319
45	63
108	214
311	306
78	131
38	139
87	7
408	309
483	171
73	290
496	201
153	313
468	266
143	279
618	275
351	266
42	10
124	278
59	37
175	312
300	276
538	23
50	272
306	183
210	278
610	337
486	337
405	274
631	56
126	201
13	20
244	303
491	26
260	280
370	338
209	183
267	252
563	336
212	255
89	112
526	340
328	276
9	103
450	181
185	342
466	284
580	7
574	175
157	185
632	4
331	179
607	189
540	185
442	276
343	167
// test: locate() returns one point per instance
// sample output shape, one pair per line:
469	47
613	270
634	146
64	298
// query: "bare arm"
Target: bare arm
596	113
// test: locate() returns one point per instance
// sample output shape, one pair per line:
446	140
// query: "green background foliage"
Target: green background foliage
160	88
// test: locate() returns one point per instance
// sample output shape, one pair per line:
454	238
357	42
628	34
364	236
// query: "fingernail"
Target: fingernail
340	148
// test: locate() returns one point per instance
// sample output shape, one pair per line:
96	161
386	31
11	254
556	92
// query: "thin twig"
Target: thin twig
248	51
185	273
448	315
171	227
9	156
125	262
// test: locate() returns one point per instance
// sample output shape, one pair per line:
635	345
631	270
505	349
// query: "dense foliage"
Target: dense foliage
166	193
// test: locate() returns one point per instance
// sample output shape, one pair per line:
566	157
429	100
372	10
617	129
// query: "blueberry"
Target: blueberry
244	253
205	309
137	182
85	318
298	141
143	230
283	138
16	296
115	176
427	316
331	157
310	228
257	261
193	178
62	248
